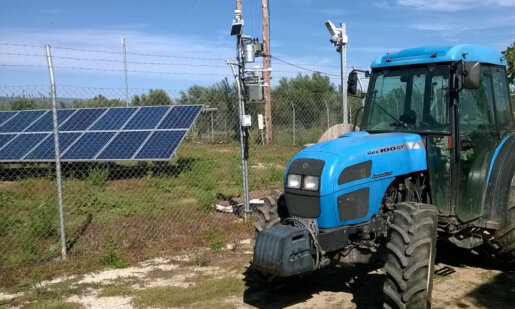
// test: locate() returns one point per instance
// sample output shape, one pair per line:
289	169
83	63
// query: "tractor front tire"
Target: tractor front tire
411	250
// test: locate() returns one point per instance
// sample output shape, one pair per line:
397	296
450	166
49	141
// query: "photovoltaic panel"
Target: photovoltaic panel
82	119
5	138
147	118
46	150
106	134
87	146
46	123
180	117
4	116
114	119
161	145
124	145
19	122
20	145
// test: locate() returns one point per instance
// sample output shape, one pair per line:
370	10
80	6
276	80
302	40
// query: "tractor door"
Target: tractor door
478	137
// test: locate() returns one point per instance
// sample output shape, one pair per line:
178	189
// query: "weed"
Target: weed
53	304
98	177
116	290
202	260
112	256
191	297
216	239
6	198
205	200
43	223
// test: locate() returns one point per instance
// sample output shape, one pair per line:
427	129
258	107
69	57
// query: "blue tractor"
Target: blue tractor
435	156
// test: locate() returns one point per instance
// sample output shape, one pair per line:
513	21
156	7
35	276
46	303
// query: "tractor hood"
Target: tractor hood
359	157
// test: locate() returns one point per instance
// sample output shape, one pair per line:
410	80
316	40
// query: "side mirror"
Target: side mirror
471	74
352	83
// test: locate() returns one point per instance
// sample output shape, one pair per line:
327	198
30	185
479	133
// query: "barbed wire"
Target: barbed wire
298	65
111	70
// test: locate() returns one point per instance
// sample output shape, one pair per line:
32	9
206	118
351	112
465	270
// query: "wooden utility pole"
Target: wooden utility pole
266	67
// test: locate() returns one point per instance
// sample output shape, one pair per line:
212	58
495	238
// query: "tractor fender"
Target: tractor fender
499	178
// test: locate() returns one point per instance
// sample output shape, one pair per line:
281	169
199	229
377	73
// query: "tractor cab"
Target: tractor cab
457	100
435	157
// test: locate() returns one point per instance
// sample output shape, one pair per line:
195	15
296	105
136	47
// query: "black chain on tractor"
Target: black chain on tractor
311	225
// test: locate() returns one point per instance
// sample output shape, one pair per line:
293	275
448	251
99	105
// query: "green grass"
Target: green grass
52	296
123	289
138	206
201	295
52	304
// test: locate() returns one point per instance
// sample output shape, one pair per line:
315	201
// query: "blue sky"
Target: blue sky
177	31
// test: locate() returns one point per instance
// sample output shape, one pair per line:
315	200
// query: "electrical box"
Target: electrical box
249	52
261	122
246	121
254	91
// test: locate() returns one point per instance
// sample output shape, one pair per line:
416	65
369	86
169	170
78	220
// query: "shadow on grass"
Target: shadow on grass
365	288
81	170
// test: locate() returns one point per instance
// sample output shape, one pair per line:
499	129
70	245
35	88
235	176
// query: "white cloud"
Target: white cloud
455	5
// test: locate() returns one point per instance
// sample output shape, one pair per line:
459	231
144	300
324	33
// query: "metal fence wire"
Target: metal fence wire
116	212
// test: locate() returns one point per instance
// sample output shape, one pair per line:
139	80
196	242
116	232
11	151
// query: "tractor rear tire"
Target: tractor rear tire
411	250
501	250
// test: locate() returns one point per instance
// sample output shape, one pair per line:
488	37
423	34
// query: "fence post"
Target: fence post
212	128
293	109
57	152
327	113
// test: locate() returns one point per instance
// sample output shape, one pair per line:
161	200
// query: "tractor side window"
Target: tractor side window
477	139
502	99
476	113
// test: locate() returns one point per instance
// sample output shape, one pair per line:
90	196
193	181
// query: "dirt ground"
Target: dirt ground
461	281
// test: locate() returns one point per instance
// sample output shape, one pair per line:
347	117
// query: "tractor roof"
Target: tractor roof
434	54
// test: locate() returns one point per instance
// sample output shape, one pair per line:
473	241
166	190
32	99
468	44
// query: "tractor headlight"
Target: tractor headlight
294	181
310	183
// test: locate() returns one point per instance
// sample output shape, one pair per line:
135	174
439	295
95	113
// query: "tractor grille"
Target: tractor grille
303	206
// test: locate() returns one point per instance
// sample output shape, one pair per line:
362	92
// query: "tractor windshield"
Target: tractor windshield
408	99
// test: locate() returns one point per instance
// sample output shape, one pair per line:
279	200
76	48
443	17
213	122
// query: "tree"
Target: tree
98	101
509	54
309	95
154	97
22	103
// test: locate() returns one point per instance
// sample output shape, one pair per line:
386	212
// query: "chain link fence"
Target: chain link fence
118	212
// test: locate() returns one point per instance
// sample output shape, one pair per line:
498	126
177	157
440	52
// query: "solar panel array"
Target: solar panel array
96	134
